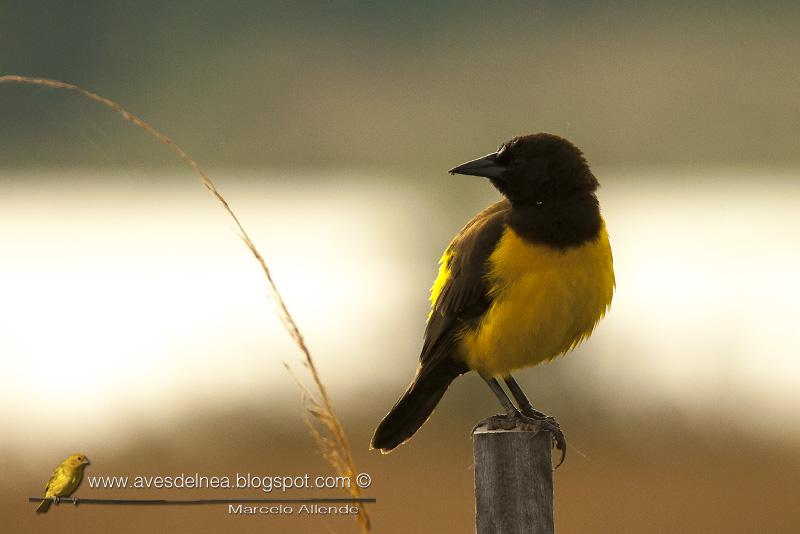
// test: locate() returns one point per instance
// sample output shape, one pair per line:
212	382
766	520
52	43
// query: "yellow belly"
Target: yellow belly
545	302
62	485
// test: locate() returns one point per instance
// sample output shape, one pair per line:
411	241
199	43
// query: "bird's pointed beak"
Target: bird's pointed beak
85	461
487	166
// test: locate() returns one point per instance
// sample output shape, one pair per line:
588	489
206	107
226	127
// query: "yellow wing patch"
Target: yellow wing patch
441	278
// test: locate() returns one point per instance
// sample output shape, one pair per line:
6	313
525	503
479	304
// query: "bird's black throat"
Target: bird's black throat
560	223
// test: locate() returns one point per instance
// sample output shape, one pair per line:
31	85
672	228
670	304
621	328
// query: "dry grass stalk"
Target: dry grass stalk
328	432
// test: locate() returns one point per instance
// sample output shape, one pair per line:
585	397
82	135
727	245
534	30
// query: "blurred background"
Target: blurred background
136	328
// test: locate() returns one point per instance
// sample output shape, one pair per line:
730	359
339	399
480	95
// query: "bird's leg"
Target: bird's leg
497	389
506	421
513	418
56	498
75	501
546	422
522	400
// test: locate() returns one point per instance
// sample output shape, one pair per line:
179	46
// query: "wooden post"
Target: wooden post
513	481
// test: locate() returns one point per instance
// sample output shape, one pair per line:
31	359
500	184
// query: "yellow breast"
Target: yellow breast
545	302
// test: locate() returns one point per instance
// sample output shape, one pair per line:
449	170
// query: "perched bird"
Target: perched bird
65	479
526	280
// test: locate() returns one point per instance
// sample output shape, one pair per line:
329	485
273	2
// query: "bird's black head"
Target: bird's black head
534	168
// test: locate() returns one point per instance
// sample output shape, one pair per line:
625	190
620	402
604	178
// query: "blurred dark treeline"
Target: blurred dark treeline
398	85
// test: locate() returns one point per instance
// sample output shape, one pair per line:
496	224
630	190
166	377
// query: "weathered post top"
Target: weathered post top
513	481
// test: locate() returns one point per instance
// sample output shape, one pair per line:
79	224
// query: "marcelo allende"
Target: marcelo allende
284	509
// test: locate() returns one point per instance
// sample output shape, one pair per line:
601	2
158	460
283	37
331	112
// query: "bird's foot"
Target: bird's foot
530	411
550	424
532	420
56	499
75	501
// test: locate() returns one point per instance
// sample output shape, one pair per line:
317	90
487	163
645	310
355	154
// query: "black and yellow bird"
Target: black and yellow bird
526	280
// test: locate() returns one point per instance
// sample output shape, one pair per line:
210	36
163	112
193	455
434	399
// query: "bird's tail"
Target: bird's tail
416	405
43	506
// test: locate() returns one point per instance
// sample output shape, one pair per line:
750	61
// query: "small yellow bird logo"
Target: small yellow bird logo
65	479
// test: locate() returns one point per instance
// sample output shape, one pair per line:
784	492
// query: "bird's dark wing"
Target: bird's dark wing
463	296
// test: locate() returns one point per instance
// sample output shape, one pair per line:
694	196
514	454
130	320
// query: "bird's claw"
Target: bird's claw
56	499
75	501
550	424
